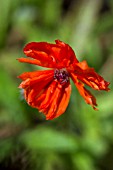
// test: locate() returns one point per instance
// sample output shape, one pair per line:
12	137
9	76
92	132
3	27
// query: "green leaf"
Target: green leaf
46	139
83	161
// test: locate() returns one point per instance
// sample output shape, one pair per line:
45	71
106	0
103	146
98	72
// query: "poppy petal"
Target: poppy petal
44	54
34	83
88	97
67	53
36	74
26	60
47	100
54	103
54	100
88	76
31	78
64	101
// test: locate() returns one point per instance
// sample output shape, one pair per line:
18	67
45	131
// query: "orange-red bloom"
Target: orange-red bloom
49	90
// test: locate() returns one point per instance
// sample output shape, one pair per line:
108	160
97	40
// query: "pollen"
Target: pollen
61	75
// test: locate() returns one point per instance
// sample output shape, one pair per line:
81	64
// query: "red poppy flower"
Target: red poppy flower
49	90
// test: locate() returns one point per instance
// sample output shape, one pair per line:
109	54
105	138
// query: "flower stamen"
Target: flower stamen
61	75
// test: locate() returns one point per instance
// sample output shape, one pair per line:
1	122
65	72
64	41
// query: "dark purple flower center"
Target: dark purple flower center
61	75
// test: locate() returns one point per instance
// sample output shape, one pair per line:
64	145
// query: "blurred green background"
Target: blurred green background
80	139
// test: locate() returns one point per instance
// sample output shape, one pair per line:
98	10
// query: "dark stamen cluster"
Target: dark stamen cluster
61	75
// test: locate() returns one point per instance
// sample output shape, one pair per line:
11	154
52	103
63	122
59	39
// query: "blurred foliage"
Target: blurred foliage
80	139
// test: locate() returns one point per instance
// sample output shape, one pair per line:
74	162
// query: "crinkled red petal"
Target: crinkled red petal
30	61
88	76
44	54
88	97
54	100
41	76
64	100
67	55
34	83
36	74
